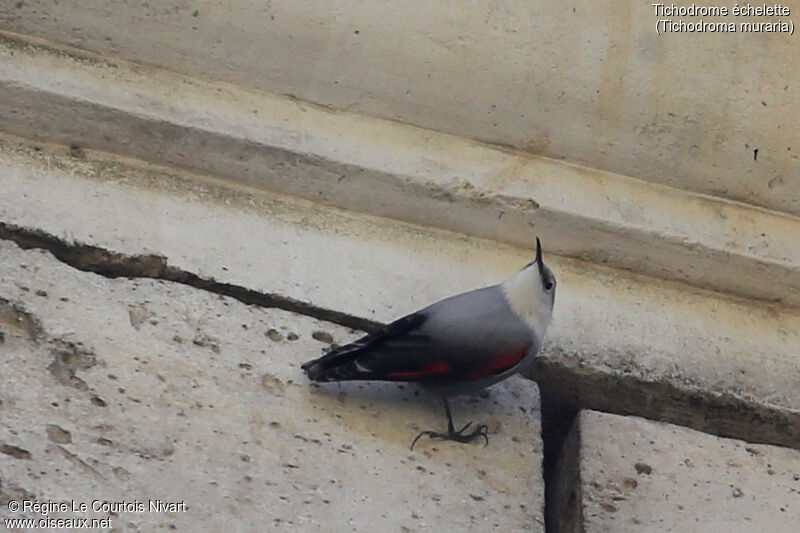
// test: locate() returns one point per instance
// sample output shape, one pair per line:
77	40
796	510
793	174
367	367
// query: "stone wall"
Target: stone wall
174	243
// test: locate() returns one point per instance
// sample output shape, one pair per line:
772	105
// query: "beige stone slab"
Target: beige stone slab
126	390
393	170
592	83
638	475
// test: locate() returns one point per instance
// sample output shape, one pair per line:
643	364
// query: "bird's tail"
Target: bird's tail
315	370
335	366
342	363
318	372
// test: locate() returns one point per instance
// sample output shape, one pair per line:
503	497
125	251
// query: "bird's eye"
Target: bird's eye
548	285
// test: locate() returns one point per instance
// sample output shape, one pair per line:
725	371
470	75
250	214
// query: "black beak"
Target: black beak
539	256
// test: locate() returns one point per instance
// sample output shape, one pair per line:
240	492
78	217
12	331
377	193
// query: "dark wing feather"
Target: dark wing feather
340	364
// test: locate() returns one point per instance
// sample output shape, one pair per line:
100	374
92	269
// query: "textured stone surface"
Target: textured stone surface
639	475
127	390
608	325
592	83
147	389
392	170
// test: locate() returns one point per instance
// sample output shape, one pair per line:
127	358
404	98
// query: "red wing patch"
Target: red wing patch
498	363
428	371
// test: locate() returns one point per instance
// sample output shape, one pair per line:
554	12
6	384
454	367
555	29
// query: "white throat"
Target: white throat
527	299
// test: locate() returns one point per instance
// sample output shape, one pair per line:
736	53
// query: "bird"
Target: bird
458	345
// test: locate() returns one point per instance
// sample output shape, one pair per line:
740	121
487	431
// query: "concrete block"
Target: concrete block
135	390
630	474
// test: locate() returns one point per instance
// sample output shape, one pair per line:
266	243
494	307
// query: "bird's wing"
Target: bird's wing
466	337
342	363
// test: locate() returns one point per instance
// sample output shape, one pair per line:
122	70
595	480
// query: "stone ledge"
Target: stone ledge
630	474
117	389
387	168
619	342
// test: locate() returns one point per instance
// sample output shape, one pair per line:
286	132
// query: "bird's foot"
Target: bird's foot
457	436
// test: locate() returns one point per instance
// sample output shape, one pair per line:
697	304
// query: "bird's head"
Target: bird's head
531	292
546	279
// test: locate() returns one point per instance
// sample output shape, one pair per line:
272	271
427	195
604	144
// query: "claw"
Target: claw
482	431
430	434
457	436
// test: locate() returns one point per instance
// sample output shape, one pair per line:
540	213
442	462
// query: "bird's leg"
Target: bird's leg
452	434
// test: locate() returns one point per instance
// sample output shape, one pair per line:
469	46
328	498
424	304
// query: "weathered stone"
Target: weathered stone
592	83
238	433
392	170
638	475
618	342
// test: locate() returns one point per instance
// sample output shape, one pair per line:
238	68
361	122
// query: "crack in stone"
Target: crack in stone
80	462
115	265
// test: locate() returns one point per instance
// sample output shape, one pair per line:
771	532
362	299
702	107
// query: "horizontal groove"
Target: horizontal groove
571	386
403	172
115	265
